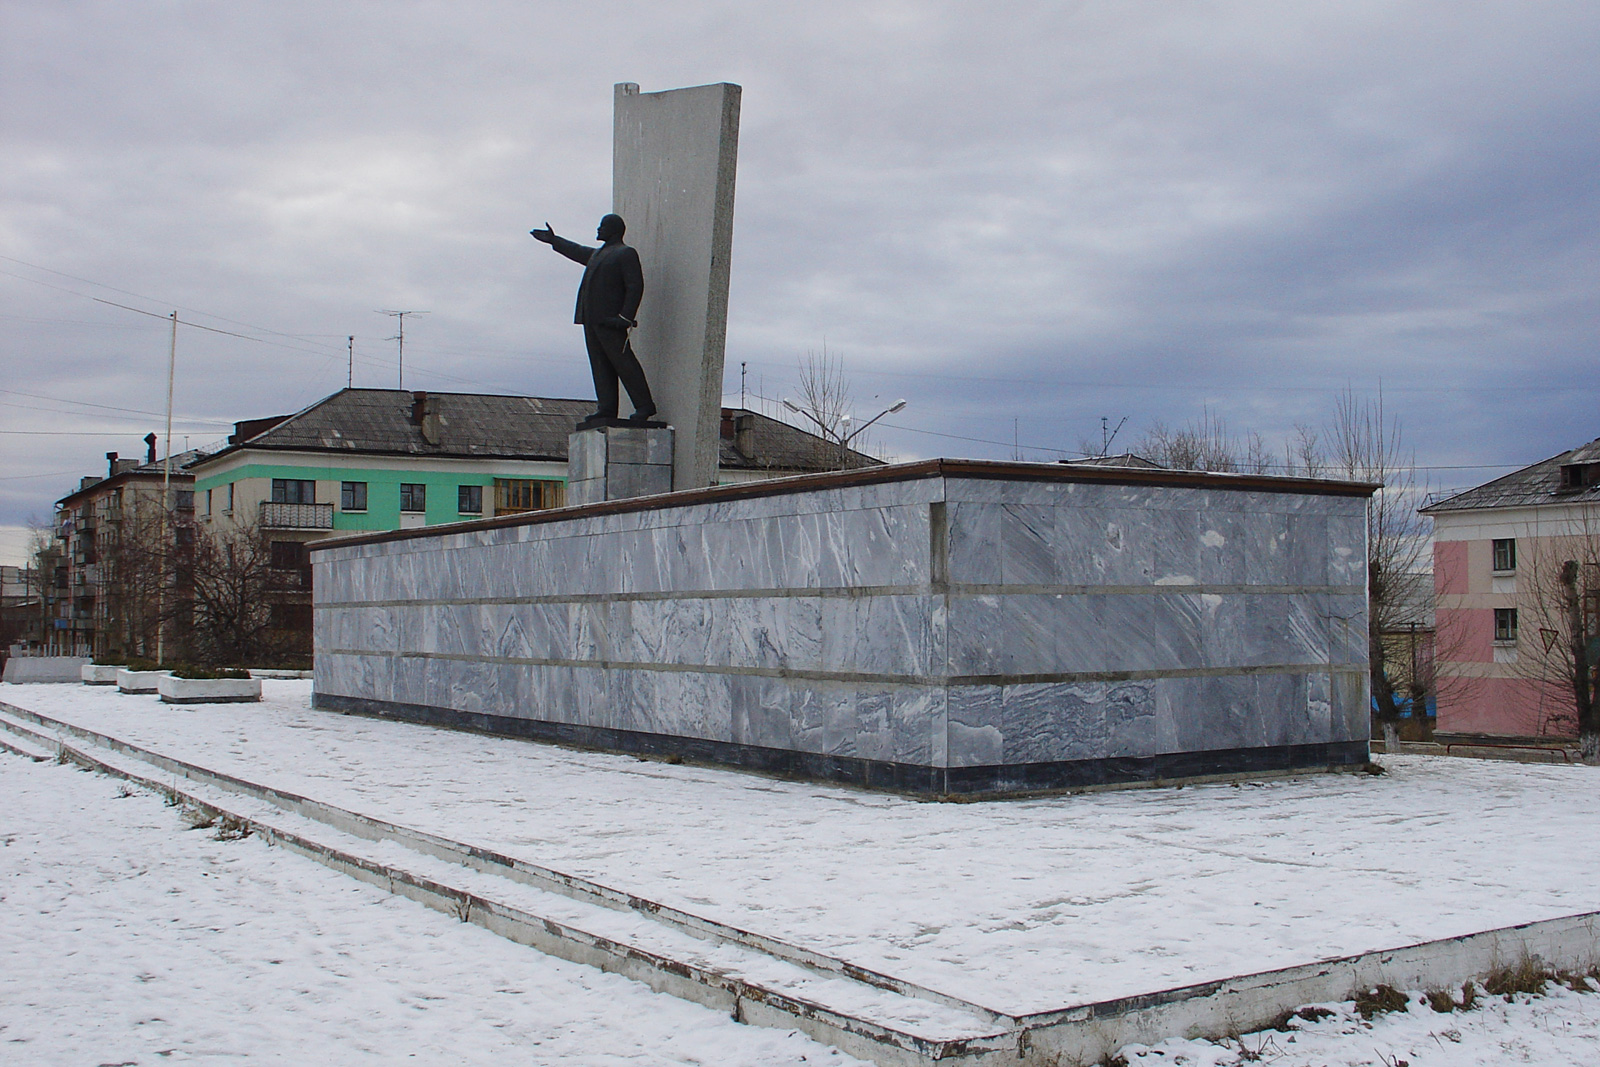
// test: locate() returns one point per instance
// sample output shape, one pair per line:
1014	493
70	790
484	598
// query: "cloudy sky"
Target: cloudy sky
1022	217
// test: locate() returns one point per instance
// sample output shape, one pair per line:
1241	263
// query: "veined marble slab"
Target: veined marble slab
943	632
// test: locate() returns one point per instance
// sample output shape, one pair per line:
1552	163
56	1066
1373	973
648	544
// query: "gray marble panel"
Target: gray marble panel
1319	706
886	546
642	446
586	454
774	632
1347	629
1029	548
1174	546
975	635
1351	706
1152	633
1035	629
1225	543
761	711
1246	630
975	721
890	635
1104	547
625	480
974	543
875	723
917	715
1069	721
1305	636
1347	545
1307	540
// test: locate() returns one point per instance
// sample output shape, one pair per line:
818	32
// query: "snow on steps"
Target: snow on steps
672	952
768	982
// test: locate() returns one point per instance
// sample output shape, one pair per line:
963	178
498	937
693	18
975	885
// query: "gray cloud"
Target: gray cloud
1020	216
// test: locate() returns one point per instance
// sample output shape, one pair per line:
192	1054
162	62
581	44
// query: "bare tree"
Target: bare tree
1204	445
233	589
1558	646
824	400
1366	445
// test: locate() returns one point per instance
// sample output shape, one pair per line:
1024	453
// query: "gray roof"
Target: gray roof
480	425
1125	459
1536	484
180	463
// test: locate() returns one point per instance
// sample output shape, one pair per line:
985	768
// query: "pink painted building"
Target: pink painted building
1507	604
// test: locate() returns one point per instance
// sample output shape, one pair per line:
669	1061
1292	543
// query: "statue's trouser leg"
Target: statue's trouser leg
623	364
605	375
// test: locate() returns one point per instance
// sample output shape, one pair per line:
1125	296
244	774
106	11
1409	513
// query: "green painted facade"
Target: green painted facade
383	491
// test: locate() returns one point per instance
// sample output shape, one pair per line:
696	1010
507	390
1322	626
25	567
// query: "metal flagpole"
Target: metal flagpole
166	503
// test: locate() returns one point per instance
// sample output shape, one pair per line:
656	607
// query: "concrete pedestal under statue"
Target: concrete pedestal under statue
618	461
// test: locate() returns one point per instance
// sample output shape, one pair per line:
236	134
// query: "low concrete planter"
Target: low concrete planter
137	681
31	669
99	674
175	690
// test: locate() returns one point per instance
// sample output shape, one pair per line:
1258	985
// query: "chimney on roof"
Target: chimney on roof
425	415
739	427
150	448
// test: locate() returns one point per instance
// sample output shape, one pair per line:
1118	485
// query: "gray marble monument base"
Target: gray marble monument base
936	628
618	462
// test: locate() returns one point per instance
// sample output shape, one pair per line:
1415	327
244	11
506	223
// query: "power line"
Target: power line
110	407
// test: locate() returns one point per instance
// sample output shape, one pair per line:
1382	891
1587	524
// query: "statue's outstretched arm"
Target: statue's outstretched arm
571	249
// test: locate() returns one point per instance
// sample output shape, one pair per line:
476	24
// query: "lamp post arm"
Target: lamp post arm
863	426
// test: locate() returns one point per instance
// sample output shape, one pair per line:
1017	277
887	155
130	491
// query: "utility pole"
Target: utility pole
166	503
400	335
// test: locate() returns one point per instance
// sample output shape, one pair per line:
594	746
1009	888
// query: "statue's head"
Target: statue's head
611	228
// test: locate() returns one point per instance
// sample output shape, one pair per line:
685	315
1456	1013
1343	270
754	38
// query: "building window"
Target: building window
289	555
1505	624
413	496
512	495
293	491
1505	553
290	617
352	496
470	499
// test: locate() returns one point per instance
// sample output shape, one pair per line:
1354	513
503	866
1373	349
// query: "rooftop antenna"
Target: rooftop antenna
400	336
1107	438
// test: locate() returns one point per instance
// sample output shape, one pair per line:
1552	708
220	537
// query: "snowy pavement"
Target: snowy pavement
1558	1029
129	938
1021	905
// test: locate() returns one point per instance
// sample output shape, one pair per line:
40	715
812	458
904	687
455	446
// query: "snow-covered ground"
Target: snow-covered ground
1021	906
128	938
1558	1029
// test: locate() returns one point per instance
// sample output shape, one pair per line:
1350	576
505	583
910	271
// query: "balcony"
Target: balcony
296	516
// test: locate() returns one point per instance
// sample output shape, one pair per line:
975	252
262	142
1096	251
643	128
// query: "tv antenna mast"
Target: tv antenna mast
400	317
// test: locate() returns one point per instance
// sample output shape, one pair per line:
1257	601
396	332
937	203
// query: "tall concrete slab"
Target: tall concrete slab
673	161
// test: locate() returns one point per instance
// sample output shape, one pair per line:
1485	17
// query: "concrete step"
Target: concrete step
757	980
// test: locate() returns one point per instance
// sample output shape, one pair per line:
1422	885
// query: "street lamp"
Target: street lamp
845	438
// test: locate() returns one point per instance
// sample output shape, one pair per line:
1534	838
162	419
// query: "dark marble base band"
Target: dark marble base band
878	774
